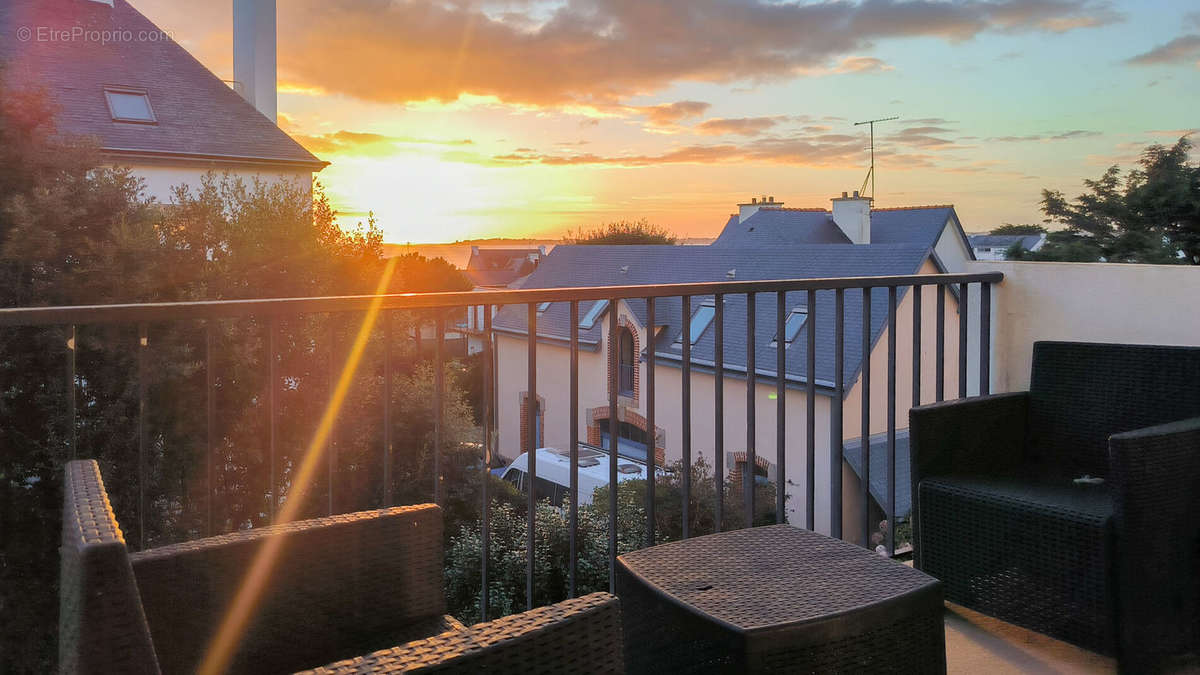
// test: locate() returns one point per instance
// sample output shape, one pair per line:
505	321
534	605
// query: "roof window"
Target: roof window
791	328
700	322
126	104
589	319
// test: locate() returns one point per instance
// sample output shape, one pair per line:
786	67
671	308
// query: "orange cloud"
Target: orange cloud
605	51
744	126
1182	49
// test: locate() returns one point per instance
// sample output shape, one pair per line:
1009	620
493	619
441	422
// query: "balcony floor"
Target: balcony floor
980	644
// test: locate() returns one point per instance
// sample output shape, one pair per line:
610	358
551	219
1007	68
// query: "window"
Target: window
791	327
625	362
129	105
542	306
589	319
700	322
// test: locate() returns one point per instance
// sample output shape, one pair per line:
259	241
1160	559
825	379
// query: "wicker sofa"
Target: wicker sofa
344	586
1002	516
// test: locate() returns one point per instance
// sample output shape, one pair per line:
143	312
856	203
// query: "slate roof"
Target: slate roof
500	266
781	227
852	453
579	266
198	114
1003	241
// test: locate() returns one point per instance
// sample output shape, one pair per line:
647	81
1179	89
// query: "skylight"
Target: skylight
700	322
589	319
791	328
542	306
129	105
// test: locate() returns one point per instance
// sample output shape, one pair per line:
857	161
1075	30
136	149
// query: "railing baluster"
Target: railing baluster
439	386
835	427
810	395
751	385
70	344
985	339
719	405
891	423
330	458
210	419
489	387
574	452
387	408
531	419
652	451
780	405
918	291
963	300
940	364
865	431
613	447
273	403
143	431
686	411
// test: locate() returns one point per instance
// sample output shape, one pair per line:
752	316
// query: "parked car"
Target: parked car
554	472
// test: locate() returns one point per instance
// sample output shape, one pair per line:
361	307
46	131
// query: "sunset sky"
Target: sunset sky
462	119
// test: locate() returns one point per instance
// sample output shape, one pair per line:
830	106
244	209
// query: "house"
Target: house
496	268
996	246
762	242
116	77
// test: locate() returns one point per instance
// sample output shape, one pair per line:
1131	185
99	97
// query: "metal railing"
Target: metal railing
944	285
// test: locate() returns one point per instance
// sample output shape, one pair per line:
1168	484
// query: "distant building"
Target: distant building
994	246
116	77
762	241
493	268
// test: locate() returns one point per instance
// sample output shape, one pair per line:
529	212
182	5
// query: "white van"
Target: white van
554	472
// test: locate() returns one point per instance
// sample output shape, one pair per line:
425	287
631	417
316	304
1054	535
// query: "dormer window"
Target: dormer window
791	328
127	104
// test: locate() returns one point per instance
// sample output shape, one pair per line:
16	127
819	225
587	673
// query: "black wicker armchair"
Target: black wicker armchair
344	586
1009	514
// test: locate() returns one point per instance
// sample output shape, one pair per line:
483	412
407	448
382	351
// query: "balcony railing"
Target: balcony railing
832	293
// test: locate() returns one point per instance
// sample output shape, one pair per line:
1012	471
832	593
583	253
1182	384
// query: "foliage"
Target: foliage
623	232
1021	230
1151	215
75	232
508	537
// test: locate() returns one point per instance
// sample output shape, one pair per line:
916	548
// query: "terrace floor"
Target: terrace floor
980	644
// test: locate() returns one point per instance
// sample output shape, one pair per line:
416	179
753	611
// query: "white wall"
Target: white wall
160	179
1087	302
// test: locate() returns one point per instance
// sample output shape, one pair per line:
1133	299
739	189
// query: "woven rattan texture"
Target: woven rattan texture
1083	393
582	635
776	599
342	585
1032	555
999	520
101	624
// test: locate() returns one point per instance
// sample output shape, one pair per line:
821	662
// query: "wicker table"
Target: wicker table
777	599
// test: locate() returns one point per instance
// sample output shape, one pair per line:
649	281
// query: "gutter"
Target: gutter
313	165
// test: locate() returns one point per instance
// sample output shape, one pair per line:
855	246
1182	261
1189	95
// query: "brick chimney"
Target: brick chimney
852	215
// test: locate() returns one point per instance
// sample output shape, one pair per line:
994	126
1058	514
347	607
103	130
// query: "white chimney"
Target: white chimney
254	53
853	216
747	210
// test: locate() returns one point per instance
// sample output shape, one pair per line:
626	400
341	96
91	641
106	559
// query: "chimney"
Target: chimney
852	215
756	203
254	53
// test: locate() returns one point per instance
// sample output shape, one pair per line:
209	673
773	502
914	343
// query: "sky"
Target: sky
459	119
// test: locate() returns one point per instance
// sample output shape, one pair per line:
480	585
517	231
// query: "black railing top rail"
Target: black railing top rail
208	309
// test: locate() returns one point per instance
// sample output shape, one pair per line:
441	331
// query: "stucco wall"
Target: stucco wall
160	179
1089	302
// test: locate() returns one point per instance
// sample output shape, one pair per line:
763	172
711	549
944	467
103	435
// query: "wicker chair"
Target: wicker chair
1000	517
344	586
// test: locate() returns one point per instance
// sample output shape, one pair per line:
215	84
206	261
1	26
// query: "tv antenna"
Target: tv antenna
871	172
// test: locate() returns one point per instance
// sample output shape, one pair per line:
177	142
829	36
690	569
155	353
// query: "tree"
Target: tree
1020	230
73	231
1151	215
623	232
